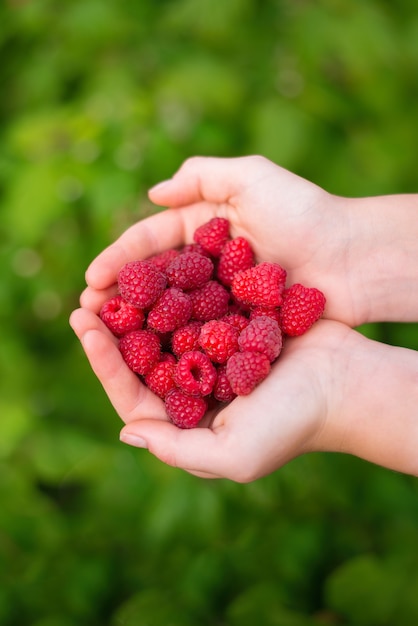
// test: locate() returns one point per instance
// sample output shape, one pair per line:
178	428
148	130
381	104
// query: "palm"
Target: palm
284	217
250	437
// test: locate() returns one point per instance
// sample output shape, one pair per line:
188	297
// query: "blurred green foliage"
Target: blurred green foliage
100	100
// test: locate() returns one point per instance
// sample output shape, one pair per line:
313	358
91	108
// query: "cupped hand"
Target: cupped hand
286	219
253	435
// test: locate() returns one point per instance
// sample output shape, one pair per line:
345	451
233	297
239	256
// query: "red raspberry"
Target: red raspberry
245	370
265	311
172	310
140	350
222	390
189	271
219	340
236	255
263	335
261	285
163	259
209	302
141	283
213	235
120	316
183	410
160	379
186	338
194	247
237	320
168	357
302	307
195	373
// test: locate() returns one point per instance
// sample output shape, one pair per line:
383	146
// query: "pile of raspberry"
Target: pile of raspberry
203	324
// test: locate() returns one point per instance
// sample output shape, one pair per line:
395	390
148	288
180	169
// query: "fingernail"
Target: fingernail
160	186
133	440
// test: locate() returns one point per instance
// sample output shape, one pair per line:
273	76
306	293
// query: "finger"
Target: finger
130	398
159	232
82	320
195	450
94	299
206	178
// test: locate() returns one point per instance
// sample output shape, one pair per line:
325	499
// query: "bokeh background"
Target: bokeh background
100	99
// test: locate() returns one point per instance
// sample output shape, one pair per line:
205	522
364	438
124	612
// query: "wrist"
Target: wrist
372	410
382	257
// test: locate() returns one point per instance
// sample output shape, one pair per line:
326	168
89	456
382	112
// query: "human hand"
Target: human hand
326	402
285	218
330	390
251	436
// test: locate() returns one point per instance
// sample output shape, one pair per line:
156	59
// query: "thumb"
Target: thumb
208	179
196	450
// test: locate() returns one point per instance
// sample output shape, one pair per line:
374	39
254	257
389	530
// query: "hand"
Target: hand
250	437
330	390
286	219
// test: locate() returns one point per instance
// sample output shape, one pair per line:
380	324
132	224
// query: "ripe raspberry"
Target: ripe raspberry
183	410
195	373
245	370
209	302
168	357
222	390
263	335
194	247
302	307
261	285
160	379
213	235
120	316
172	310
265	311
186	338
237	320
236	255
140	350
163	259
189	271
219	340
141	283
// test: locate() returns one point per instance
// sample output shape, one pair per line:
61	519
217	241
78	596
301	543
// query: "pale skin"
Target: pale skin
331	389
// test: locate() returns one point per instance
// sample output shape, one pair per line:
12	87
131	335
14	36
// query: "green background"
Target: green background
100	99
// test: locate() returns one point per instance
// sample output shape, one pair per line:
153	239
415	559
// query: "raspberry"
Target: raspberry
163	259
209	302
140	350
195	373
261	285
168	357
302	307
141	283
237	320
263	335
222	390
265	311
183	410
190	270
236	255
194	247
172	310
120	316
219	340
245	370
186	338
160	379
215	320
213	235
